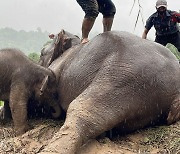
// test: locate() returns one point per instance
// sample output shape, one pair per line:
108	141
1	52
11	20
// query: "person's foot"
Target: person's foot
84	40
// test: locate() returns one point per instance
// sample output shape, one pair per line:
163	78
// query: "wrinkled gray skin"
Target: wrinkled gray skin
20	80
115	80
62	41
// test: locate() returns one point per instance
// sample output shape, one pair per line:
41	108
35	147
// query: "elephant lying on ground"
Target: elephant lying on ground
116	80
20	80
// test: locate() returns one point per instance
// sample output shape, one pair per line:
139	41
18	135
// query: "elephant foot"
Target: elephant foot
174	114
66	141
21	130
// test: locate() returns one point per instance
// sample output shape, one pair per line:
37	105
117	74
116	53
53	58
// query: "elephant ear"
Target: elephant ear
63	32
66	40
44	85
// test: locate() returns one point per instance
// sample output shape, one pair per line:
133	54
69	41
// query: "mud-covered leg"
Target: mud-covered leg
174	113
86	119
18	106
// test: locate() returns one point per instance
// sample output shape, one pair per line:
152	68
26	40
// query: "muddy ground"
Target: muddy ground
154	140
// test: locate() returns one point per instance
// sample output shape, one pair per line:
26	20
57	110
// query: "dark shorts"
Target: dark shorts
172	38
93	7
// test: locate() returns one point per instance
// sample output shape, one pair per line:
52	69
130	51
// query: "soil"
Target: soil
154	140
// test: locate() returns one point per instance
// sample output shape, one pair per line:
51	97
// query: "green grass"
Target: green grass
174	50
1	103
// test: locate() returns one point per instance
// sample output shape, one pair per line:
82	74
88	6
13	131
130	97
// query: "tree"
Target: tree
139	13
28	42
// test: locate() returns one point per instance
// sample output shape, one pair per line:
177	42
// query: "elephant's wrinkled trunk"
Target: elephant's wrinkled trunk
56	110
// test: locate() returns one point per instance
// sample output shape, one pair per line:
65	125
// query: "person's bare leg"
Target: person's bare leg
86	28
107	23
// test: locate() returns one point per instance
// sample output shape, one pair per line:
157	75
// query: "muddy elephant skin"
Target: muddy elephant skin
22	79
115	80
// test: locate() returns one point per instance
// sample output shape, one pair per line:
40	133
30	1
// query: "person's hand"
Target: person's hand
51	36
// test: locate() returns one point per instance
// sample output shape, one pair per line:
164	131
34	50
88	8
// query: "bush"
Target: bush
1	103
34	56
174	50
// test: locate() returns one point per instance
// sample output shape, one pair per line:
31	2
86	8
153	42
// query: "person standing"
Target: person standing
165	23
92	9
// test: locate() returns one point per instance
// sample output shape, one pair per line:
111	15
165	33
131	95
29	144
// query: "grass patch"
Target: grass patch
166	138
1	103
174	50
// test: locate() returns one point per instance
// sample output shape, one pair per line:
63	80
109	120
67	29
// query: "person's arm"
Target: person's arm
144	35
149	24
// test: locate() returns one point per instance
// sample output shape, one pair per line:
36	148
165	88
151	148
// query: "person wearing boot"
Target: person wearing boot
92	9
165	23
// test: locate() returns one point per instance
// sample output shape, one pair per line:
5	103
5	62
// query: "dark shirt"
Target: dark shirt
165	25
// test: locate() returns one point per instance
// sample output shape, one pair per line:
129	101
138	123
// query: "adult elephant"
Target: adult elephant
21	80
116	80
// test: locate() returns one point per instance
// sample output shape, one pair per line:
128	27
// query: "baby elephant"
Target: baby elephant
22	79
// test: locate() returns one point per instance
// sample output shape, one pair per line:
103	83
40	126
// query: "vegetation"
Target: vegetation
174	50
28	42
34	56
1	103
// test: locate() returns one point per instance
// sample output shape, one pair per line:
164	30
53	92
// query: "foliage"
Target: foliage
34	56
174	50
1	103
165	138
28	42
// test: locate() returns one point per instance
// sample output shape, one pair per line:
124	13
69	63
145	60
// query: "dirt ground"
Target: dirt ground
154	140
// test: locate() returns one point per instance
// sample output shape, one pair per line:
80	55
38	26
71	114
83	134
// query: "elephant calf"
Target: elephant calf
22	79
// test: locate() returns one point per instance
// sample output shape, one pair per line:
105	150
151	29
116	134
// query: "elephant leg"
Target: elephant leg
174	113
88	116
18	106
5	113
